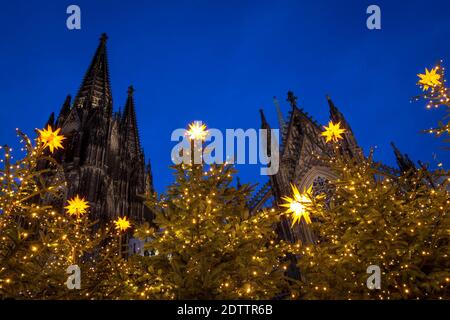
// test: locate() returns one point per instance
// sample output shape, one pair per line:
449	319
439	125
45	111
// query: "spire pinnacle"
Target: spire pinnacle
265	125
65	109
103	38
264	122
403	161
129	113
51	120
292	99
335	115
129	123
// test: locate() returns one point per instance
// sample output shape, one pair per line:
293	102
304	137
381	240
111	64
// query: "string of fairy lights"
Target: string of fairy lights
436	93
21	182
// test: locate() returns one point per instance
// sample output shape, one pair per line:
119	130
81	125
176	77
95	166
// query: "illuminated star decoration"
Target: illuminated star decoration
122	224
297	205
77	206
197	131
333	132
429	79
51	139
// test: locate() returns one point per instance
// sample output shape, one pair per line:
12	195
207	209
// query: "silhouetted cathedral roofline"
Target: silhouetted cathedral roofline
95	90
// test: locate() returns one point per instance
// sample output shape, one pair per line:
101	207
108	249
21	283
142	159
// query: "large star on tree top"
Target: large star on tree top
429	79
333	132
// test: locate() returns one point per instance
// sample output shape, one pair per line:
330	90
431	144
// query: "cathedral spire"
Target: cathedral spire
129	114
281	121
51	121
335	115
95	90
129	124
403	161
65	110
264	123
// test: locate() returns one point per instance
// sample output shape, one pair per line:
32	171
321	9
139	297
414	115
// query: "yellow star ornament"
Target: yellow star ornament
429	79
77	206
333	132
51	139
298	204
197	131
122	224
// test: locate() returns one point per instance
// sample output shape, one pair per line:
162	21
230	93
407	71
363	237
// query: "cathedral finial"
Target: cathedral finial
292	99
103	37
130	90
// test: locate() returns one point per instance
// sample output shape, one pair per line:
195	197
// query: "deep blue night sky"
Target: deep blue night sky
220	61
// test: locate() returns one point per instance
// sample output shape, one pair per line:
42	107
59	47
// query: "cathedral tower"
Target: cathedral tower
102	157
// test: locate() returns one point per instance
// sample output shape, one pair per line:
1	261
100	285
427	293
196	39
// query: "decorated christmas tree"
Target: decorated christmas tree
437	95
34	247
40	242
395	224
206	244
